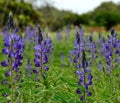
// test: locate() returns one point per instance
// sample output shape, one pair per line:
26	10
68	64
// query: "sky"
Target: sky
79	6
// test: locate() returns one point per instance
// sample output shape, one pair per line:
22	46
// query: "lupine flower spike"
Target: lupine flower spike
13	48
41	58
85	79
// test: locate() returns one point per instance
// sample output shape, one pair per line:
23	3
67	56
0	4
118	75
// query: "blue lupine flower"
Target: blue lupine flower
41	56
85	78
5	50
59	35
7	74
4	82
4	63
67	33
46	68
78	91
30	34
83	71
14	49
92	50
35	71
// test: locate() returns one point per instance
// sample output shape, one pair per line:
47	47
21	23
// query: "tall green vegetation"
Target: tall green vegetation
107	14
23	12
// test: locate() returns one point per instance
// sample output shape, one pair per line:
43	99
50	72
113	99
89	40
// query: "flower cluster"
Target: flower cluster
83	72
109	48
85	79
30	34
67	33
92	50
14	49
59	35
41	58
79	47
47	42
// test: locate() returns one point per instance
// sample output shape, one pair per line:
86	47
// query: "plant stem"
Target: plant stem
112	69
84	89
84	67
41	64
11	79
11	82
42	76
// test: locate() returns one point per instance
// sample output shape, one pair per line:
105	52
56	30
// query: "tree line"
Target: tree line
106	15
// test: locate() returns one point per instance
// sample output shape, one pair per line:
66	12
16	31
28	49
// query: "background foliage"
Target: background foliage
25	13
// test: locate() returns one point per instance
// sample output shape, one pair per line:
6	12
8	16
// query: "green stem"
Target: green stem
11	82
84	87
41	64
112	75
84	67
44	100
11	79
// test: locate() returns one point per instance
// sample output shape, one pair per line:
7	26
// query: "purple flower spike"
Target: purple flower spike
42	50
14	49
80	61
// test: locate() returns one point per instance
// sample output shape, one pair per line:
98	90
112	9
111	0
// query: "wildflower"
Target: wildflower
83	71
14	49
85	78
41	58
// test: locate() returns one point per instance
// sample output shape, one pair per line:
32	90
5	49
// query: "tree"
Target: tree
107	14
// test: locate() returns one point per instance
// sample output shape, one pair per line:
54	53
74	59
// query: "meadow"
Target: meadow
65	67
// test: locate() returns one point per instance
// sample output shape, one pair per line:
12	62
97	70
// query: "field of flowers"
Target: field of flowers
69	67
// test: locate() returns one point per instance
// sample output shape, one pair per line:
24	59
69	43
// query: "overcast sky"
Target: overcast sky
79	6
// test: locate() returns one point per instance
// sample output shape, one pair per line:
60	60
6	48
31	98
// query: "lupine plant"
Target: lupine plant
13	49
67	33
30	34
59	35
85	79
79	46
83	72
109	49
41	58
92	50
47	42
